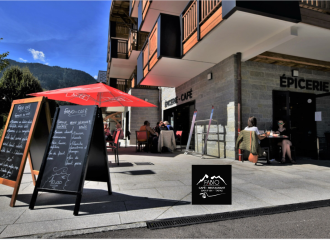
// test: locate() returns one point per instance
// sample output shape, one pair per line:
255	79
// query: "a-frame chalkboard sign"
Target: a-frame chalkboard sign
76	151
26	127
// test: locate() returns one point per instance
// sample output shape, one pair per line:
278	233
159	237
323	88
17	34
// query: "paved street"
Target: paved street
158	189
313	223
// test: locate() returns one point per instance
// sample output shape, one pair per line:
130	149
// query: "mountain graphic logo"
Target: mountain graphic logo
206	177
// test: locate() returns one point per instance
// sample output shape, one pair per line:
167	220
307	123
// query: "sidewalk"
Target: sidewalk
159	188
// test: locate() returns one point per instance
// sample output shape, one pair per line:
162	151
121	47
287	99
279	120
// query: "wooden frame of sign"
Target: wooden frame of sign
39	140
16	140
75	152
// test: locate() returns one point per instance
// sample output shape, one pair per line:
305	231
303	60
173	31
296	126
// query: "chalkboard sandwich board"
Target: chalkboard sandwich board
19	135
76	150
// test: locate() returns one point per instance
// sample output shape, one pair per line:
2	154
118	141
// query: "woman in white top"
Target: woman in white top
252	126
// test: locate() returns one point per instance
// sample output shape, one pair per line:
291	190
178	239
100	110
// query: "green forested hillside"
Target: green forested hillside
55	77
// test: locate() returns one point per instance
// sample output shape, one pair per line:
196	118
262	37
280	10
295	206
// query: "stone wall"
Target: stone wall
258	82
138	115
222	94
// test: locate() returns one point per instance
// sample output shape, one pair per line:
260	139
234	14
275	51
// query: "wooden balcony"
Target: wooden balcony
198	19
319	6
149	51
163	41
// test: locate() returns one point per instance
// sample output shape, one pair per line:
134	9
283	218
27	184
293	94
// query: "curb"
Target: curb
84	231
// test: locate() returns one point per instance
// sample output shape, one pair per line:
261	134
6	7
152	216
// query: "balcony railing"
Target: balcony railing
320	6
190	21
195	28
153	46
118	48
145	57
150	51
122	48
208	7
163	41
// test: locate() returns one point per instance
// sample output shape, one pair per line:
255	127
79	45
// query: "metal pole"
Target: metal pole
239	102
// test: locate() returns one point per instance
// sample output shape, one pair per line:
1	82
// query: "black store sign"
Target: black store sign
211	184
304	84
184	97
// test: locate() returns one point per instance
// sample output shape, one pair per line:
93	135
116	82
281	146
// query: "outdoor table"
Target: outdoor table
270	138
166	139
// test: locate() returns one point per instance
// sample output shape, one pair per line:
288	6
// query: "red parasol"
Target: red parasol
95	94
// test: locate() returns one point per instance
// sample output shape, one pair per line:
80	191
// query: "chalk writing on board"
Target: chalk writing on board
16	136
72	112
67	150
58	180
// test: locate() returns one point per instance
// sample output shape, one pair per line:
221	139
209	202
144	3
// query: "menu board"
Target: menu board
65	160
16	138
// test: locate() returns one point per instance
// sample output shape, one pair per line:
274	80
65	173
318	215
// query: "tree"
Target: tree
3	62
16	84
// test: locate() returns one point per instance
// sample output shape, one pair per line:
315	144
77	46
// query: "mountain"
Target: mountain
55	77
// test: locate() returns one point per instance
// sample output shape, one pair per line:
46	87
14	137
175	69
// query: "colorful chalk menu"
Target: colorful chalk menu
68	149
15	140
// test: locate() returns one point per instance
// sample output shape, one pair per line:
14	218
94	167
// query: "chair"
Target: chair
115	145
114	137
142	138
178	138
261	150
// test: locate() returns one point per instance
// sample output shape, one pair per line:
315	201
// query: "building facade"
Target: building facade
265	59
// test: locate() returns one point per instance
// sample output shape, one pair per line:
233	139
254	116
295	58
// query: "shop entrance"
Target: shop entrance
297	110
180	118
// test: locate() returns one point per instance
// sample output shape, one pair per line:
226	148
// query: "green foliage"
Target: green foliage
4	117
16	84
55	77
1	131
3	62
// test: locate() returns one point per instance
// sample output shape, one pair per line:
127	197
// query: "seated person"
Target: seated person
160	127
252	126
150	131
108	136
285	143
167	124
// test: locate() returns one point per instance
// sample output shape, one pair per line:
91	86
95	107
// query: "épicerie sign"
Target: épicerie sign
183	97
304	84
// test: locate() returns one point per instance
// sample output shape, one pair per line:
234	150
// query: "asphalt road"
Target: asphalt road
313	223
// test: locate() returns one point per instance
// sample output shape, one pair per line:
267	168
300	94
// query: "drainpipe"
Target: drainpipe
239	96
160	102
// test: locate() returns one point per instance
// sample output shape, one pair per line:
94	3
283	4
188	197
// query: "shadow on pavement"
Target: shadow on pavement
96	201
138	172
132	151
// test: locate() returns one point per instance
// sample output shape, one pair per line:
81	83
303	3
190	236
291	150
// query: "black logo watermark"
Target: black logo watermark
211	184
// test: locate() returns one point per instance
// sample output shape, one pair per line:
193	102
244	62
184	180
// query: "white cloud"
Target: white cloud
47	63
37	54
95	77
21	59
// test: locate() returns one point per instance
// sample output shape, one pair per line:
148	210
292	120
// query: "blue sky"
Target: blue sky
57	33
